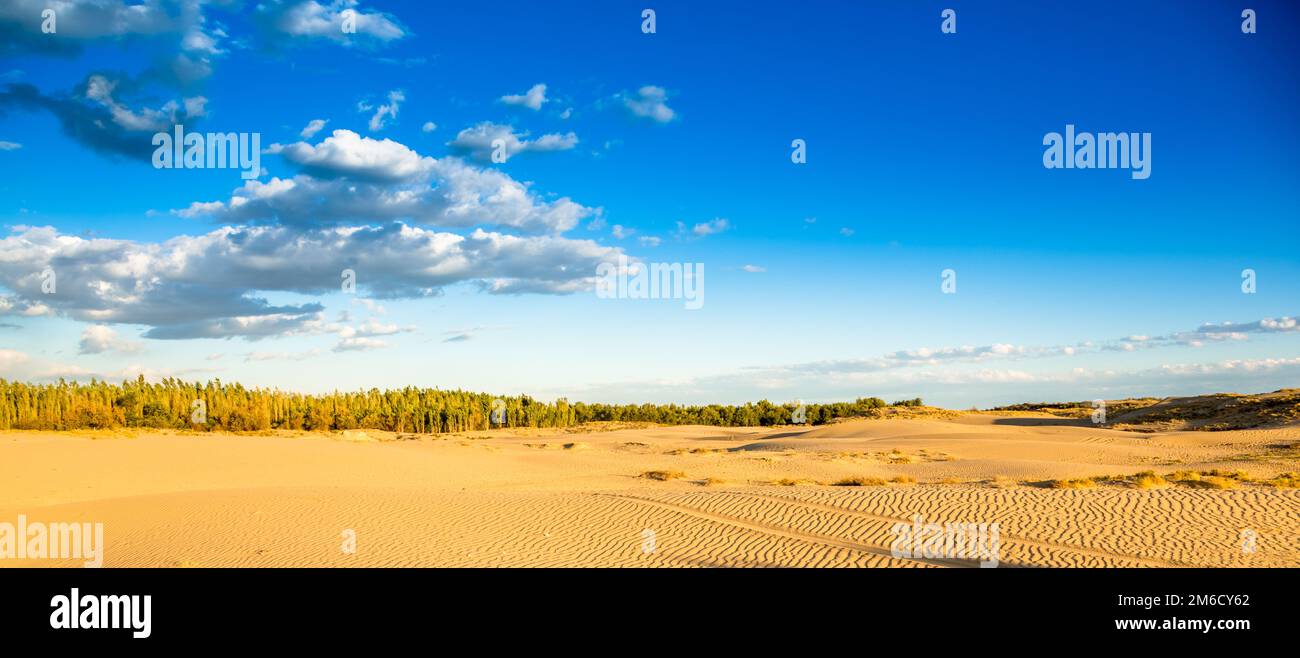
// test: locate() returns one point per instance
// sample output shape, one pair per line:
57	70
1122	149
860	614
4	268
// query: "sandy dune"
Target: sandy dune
747	496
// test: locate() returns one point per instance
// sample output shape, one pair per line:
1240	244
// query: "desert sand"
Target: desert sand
732	497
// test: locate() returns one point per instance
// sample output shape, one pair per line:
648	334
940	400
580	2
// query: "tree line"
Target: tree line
214	406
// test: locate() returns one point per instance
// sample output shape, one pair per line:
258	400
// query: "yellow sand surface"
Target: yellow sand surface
731	497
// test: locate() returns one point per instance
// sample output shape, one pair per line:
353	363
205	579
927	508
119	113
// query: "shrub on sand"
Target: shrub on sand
1149	480
859	481
663	476
1082	483
1286	481
788	482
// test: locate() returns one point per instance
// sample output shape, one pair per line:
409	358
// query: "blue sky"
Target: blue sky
822	279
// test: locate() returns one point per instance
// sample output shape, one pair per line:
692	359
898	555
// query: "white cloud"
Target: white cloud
370	304
97	339
710	228
649	102
1265	326
11	359
282	356
359	344
100	89
531	99
314	126
385	111
210	285
429	126
753	269
81	22
9	146
347	154
477	141
649	241
95	115
358	179
311	19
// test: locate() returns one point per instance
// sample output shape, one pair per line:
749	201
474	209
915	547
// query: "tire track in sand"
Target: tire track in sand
808	537
1040	543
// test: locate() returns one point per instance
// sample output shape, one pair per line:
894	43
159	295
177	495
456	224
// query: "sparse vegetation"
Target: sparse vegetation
663	476
1149	480
859	482
1218	412
694	451
1213	479
898	457
790	482
1287	480
1080	483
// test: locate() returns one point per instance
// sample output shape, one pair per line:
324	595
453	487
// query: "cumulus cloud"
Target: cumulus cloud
212	285
649	102
429	127
82	22
9	146
477	141
313	20
347	154
531	99
350	178
95	115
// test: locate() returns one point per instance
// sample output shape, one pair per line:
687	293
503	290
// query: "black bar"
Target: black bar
323	607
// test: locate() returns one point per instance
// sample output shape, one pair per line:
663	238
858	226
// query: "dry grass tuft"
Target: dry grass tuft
663	476
1081	483
1149	480
791	482
1287	480
1211	479
859	481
